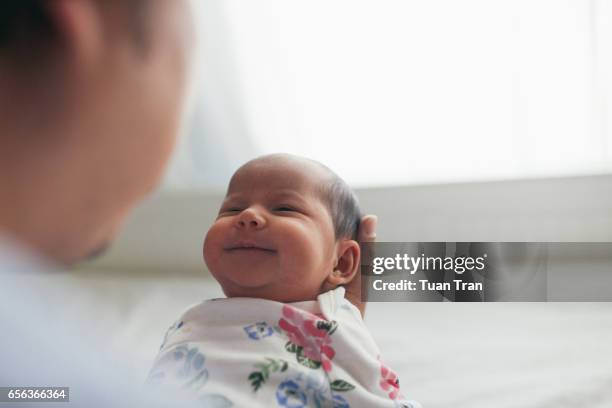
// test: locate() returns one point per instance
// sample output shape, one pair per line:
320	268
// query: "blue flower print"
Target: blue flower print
340	402
306	391
289	395
191	370
191	358
258	331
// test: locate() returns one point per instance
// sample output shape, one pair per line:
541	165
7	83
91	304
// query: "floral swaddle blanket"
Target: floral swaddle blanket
246	352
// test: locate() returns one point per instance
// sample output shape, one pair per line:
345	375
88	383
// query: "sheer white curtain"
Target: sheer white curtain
401	92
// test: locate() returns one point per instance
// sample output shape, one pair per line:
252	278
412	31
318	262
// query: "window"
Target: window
390	92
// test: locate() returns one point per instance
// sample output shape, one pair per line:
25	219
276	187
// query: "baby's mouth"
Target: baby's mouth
248	247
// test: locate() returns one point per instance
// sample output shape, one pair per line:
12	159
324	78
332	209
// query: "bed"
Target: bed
476	355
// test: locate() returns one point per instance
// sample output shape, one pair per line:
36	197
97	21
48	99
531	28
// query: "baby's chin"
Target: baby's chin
260	292
242	270
248	283
269	291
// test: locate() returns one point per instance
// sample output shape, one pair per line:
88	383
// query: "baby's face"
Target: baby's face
273	237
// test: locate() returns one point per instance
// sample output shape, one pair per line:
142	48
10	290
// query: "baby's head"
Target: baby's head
286	231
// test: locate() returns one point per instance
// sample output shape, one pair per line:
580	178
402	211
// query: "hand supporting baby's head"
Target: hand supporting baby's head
286	231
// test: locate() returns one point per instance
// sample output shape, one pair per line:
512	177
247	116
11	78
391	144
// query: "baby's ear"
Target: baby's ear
347	264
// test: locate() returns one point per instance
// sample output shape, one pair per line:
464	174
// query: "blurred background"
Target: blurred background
479	120
399	92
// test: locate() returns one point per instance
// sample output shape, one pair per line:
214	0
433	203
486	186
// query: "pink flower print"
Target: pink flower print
309	332
389	382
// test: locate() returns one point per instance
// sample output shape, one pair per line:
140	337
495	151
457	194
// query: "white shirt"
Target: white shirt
46	342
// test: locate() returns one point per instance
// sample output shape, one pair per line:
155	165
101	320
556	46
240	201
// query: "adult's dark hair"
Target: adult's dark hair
27	31
25	28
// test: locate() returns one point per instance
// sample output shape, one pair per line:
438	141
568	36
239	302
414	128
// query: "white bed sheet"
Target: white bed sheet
493	355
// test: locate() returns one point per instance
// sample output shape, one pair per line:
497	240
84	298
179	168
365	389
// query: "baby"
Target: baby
282	247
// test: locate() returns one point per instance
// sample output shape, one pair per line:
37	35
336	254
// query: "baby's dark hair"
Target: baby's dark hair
343	205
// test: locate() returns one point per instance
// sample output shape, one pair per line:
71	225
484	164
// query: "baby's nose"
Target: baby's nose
250	218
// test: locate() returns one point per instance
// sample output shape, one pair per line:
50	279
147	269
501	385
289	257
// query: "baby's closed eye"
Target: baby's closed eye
230	209
284	208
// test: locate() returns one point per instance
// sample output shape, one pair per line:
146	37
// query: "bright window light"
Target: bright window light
390	92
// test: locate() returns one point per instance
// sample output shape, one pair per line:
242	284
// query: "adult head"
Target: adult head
91	102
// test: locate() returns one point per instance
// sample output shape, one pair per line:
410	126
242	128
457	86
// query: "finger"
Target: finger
367	228
367	233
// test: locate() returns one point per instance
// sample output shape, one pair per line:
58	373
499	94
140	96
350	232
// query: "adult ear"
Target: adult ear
347	264
80	28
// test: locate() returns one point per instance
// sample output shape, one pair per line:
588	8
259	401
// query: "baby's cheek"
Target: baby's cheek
305	252
213	245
